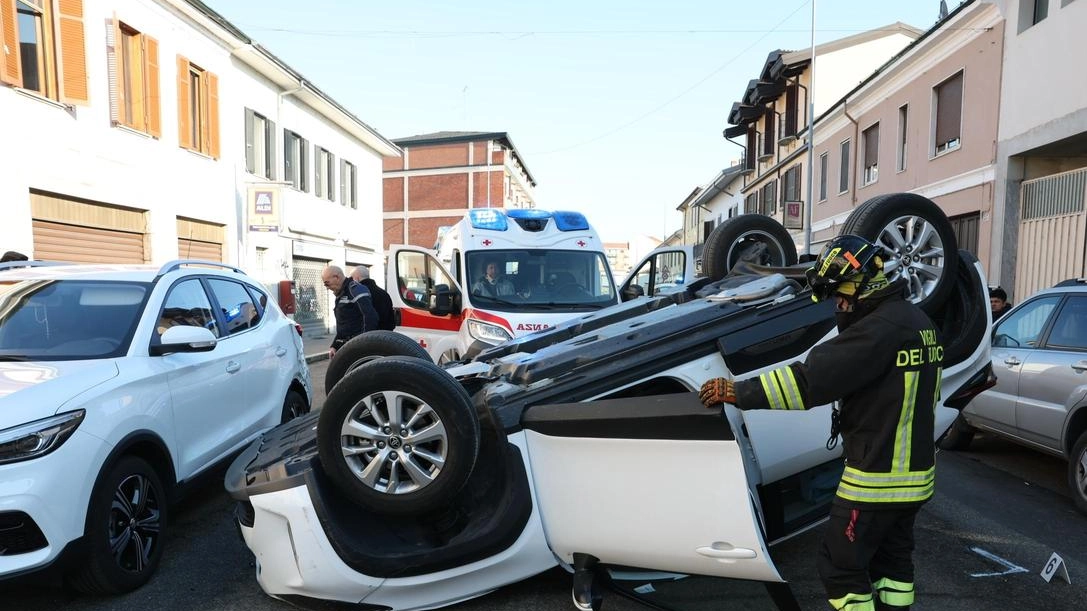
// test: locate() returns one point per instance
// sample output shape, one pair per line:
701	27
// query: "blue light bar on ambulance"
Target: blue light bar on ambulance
528	213
488	218
570	221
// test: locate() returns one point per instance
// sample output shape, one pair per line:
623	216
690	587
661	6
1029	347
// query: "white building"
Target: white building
141	126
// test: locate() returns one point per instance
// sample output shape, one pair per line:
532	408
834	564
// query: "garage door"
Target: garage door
199	240
84	232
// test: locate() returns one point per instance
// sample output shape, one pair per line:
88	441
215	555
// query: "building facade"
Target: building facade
151	139
443	175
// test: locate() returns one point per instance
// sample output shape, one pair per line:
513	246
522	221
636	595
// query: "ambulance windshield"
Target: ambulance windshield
535	279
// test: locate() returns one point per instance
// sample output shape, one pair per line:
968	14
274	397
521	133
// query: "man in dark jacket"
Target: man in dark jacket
884	367
354	311
998	302
382	302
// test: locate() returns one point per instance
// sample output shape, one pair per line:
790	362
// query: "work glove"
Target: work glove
716	391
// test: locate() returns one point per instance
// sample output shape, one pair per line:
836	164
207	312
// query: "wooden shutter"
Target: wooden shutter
116	70
152	107
73	53
790	110
768	142
343	182
871	146
82	244
12	69
184	109
213	115
948	109
250	142
270	147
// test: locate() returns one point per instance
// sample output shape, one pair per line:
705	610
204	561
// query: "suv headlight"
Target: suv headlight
38	438
492	334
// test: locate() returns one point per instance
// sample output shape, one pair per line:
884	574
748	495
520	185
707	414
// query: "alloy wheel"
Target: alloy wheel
912	249
134	523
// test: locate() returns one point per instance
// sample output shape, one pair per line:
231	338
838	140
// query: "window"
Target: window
791	112
187	304
45	48
1023	328
296	160
235	304
260	145
790	188
824	166
768	142
903	116
134	79
843	171
870	142
1070	329
323	176
752	144
197	108
948	111
965	227
751	203
349	185
768	199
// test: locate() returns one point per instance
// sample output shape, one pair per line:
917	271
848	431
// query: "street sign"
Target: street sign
794	215
263	207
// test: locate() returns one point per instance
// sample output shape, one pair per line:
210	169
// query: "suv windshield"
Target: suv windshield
59	320
537	278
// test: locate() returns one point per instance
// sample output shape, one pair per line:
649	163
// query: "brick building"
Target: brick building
444	174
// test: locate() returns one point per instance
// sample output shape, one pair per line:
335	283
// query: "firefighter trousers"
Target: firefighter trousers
866	559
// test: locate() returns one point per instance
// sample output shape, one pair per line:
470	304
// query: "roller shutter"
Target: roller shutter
199	240
79	231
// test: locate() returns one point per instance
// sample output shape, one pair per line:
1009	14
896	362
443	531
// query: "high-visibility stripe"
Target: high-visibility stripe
854	602
936	395
894	593
791	388
905	478
910	494
900	460
773	392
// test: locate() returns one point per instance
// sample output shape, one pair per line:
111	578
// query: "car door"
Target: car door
665	270
416	272
654	482
1054	376
1015	338
206	392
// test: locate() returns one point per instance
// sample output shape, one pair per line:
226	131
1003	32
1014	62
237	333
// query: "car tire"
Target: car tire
137	526
1077	472
366	347
367	460
961	320
959	436
752	237
294	405
904	224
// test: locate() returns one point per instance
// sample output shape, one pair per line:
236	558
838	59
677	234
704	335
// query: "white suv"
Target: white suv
118	383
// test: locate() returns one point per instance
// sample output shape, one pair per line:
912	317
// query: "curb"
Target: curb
313	358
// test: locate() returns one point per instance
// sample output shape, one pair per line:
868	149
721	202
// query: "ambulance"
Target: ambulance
495	275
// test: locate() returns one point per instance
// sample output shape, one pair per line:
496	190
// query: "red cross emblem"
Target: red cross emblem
422	343
581	243
487	242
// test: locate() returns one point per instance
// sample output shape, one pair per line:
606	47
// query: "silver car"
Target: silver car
1039	356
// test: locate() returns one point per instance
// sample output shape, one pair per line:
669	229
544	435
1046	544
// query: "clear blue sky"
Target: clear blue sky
616	107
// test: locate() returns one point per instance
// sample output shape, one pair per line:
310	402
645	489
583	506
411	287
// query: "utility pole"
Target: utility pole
811	140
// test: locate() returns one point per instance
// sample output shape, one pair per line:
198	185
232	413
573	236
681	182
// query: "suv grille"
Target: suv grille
19	534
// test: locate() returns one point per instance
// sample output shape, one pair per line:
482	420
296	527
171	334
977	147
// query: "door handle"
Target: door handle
725	552
280	351
1081	366
233	367
1011	361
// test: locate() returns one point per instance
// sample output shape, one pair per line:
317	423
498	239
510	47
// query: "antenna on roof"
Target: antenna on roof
943	10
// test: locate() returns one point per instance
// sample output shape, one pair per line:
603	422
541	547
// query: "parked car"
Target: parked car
1039	352
585	445
119	384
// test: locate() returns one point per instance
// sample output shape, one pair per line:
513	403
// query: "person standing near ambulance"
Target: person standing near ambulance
355	313
884	367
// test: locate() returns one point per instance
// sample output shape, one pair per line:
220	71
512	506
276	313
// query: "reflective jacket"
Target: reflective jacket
885	370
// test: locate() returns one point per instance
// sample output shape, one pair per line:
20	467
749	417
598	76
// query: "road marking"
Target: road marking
1011	568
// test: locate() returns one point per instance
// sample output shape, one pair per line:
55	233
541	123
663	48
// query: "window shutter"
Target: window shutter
331	165
184	109
213	115
303	164
12	71
768	142
318	184
73	53
250	144
115	68
343	182
948	109
153	97
871	146
791	98
270	147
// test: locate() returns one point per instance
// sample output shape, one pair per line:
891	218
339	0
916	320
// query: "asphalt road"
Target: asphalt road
998	514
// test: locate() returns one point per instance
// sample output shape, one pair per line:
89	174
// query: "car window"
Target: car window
1023	327
260	298
235	304
1070	328
187	304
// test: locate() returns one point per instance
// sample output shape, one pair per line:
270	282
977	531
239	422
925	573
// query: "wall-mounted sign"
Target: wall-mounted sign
263	206
794	212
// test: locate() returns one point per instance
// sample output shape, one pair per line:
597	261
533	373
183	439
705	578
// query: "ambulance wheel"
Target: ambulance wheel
754	238
399	436
917	241
367	347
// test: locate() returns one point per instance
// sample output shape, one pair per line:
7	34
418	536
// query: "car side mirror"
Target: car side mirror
444	300
633	291
184	338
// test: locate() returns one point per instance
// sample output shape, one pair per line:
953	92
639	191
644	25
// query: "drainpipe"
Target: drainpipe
852	153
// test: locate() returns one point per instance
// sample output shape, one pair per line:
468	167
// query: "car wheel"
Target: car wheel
367	347
918	244
398	435
961	320
959	436
1077	472
126	520
294	405
748	237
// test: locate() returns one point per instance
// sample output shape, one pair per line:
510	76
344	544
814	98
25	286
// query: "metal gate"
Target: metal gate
312	299
1052	224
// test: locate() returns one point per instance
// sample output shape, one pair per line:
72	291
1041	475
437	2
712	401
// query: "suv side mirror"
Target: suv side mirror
184	338
444	300
633	291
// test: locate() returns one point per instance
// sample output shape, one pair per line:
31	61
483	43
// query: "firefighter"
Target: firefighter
884	369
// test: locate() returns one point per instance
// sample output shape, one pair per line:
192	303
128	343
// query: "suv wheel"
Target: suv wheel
294	405
367	347
398	435
1077	472
959	436
126	521
748	237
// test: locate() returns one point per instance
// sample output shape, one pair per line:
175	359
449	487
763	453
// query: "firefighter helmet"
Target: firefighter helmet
849	265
